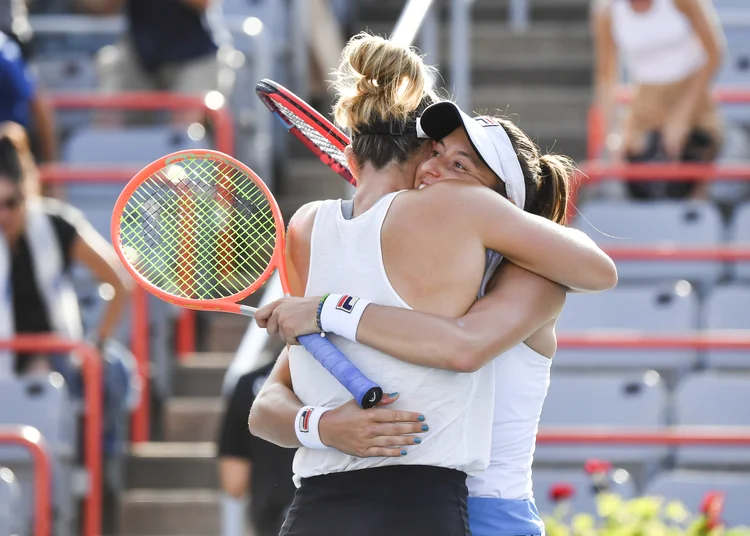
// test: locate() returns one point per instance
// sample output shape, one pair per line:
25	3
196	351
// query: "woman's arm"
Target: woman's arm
518	305
704	19
349	429
94	252
561	254
605	72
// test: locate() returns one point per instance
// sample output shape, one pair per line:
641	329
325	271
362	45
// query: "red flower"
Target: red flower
560	492
594	466
711	506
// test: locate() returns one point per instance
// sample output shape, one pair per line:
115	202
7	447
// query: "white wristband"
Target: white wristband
341	314
306	427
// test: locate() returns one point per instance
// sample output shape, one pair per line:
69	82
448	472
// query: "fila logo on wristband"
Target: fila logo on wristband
304	420
346	303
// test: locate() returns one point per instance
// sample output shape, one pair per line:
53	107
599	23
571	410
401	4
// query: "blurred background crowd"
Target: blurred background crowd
92	90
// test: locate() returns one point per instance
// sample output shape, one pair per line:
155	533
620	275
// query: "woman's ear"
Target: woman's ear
351	161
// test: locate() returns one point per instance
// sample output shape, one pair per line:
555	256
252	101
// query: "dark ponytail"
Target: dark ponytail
551	200
547	176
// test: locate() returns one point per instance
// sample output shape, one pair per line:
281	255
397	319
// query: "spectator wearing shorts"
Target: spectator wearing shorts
671	49
170	45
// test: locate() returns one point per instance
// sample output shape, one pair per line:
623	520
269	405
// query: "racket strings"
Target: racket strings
202	229
315	137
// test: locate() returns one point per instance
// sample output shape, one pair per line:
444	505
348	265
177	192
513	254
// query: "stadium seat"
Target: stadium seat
618	401
735	69
713	398
10	502
690	487
584	499
728	307
43	403
66	72
679	223
740	236
670	308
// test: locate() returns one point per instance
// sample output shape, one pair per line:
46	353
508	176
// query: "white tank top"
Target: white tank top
659	46
345	257
521	381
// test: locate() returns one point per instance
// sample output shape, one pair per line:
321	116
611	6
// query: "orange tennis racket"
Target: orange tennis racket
200	229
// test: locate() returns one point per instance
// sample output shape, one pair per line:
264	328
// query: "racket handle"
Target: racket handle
365	392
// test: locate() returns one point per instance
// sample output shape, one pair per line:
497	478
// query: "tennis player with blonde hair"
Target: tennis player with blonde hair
420	249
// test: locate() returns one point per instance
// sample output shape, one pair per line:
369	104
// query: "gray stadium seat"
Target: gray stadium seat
671	223
740	236
621	401
43	403
584	499
713	398
66	72
670	308
690	487
728	307
735	70
10	502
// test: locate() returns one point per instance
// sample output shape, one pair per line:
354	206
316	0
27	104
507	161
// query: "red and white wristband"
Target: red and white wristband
306	427
341	314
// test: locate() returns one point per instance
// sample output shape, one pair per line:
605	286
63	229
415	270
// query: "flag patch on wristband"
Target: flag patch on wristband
304	420
347	303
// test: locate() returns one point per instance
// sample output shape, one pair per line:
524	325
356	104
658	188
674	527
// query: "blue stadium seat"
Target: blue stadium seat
619	401
713	398
670	308
43	403
584	499
740	236
672	223
728	307
10	502
690	487
735	70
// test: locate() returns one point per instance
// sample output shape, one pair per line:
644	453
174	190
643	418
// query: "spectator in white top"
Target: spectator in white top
671	50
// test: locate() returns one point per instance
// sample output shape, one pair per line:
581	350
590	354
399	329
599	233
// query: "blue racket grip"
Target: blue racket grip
365	392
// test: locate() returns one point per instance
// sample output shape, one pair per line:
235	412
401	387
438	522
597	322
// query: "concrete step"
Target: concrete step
174	512
192	418
575	71
542	39
201	374
172	466
225	331
371	11
306	176
534	104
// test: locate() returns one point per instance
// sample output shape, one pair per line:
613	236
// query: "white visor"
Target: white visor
487	136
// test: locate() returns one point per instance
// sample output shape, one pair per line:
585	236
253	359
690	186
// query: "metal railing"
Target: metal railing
91	370
67	173
29	438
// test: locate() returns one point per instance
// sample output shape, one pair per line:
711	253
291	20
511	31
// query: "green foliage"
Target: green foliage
643	516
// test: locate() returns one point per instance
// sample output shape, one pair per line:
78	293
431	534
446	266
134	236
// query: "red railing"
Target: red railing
91	369
30	438
719	436
701	340
64	174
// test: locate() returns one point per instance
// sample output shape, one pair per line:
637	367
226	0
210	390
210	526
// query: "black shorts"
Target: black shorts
417	500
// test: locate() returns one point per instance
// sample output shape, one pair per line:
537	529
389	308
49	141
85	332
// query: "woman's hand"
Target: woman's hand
375	432
289	317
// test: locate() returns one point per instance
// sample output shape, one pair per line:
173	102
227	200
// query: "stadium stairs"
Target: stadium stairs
543	75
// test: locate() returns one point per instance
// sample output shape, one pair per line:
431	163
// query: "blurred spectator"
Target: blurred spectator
39	241
22	103
672	49
249	463
14	22
170	45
